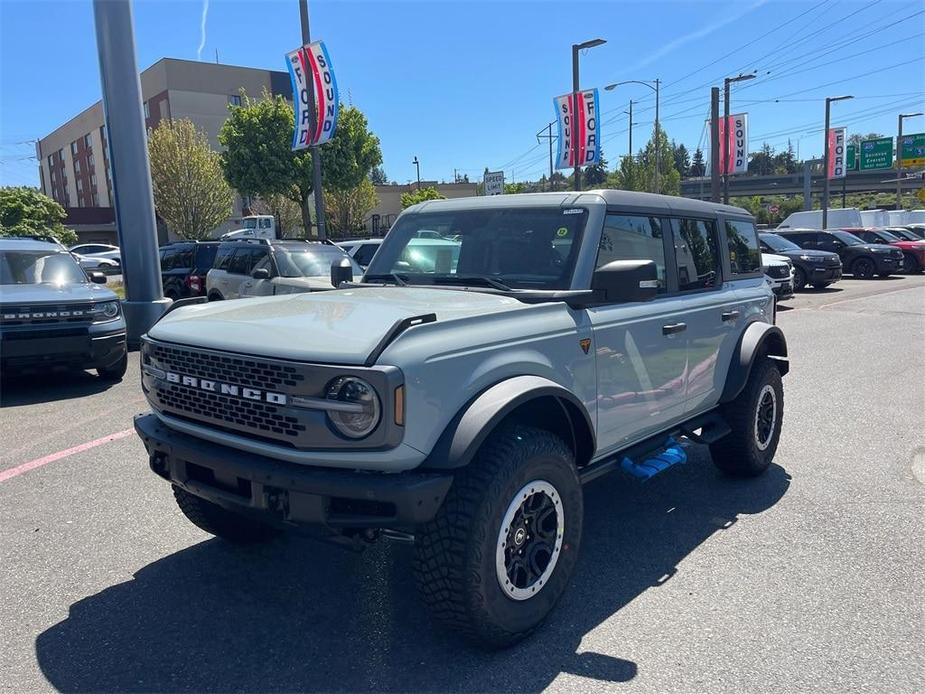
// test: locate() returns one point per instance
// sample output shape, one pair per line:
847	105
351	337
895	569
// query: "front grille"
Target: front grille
778	271
253	373
44	314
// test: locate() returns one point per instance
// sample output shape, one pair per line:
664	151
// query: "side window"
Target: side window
165	255
258	255
263	264
365	253
223	257
631	237
696	252
184	259
240	262
744	253
827	242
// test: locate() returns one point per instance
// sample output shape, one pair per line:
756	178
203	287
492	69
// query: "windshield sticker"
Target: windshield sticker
562	232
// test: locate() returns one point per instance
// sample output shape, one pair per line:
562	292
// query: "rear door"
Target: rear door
640	348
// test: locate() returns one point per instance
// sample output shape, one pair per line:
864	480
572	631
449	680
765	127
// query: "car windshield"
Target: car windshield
519	248
904	235
887	237
314	261
39	267
778	243
848	239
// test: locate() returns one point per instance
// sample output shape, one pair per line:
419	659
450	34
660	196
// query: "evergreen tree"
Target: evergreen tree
698	167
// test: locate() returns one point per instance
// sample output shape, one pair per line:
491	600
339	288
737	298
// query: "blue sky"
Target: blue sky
467	85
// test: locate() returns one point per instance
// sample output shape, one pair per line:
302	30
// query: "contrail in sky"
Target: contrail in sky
698	34
202	40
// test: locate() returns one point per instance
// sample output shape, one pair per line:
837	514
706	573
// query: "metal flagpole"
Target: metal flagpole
317	186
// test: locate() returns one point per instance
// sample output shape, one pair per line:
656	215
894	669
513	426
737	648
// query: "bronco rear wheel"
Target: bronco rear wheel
500	552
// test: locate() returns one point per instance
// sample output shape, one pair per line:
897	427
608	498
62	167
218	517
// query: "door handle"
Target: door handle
674	328
730	315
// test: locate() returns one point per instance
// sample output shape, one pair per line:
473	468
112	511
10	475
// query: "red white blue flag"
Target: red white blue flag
310	68
588	150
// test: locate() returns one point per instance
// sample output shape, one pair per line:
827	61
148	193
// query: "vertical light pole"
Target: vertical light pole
899	158
131	171
576	48
630	114
417	165
826	158
317	189
653	85
726	82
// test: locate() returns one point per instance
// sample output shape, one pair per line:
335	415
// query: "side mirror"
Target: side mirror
341	271
261	273
98	278
624	281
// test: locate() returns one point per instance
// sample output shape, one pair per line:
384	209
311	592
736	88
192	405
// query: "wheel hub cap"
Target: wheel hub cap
529	540
765	417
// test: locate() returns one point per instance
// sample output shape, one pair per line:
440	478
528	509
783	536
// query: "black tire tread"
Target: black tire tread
440	548
215	520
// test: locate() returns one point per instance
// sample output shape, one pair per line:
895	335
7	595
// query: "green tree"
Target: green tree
514	188
762	162
287	213
698	166
347	210
682	159
595	176
27	212
857	138
421	195
378	177
258	157
190	192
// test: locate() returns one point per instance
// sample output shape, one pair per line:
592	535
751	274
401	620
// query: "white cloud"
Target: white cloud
698	34
202	39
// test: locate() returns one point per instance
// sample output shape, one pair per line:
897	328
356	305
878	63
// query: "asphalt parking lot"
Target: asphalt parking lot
806	579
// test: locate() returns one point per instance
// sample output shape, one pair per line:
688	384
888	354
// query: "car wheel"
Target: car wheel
503	546
821	285
863	268
799	279
755	418
114	372
220	522
912	264
215	296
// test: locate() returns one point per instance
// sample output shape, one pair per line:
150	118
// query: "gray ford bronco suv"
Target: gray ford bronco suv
462	393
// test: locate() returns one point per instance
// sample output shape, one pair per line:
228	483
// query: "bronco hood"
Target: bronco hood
336	327
30	294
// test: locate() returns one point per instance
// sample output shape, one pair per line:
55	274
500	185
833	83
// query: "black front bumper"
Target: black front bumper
888	265
75	348
816	274
283	493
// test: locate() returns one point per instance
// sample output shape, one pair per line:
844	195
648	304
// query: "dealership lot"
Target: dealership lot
807	578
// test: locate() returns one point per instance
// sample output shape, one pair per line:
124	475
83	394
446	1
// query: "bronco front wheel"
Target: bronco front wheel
500	552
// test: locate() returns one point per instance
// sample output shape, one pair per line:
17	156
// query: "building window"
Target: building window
234	99
87	141
91	161
96	199
74	148
77	166
93	179
147	110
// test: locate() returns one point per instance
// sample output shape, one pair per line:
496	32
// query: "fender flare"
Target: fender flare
468	430
759	339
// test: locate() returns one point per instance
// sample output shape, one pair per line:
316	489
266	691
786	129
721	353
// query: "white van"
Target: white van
812	219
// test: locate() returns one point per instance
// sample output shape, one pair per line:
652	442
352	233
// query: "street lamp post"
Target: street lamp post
899	158
653	85
576	48
417	165
726	83
826	158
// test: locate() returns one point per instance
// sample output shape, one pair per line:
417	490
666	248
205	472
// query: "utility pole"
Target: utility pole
827	158
548	136
658	143
630	112
131	170
714	144
576	49
317	186
727	131
899	158
807	185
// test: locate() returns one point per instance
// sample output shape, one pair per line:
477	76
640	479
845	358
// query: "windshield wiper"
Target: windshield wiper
393	276
469	279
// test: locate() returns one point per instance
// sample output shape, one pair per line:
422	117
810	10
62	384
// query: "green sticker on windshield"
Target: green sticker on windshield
562	232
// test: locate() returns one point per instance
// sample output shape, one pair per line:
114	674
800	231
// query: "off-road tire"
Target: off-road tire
740	453
115	372
799	279
215	520
455	564
864	268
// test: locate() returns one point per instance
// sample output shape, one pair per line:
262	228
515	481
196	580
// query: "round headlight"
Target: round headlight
357	421
111	309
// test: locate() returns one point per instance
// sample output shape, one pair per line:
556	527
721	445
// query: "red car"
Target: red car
913	251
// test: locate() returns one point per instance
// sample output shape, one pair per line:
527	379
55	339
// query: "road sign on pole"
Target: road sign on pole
877	154
913	150
851	158
493	182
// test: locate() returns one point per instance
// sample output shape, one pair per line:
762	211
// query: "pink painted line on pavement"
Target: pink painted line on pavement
39	462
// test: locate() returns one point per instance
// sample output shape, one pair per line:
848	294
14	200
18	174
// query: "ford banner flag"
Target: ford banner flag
310	68
588	150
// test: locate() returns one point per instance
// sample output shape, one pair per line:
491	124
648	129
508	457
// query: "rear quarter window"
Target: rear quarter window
744	251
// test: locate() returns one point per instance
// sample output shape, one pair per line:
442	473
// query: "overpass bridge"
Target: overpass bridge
793	184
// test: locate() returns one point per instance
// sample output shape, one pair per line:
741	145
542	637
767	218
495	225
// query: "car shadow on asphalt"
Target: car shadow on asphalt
32	389
299	615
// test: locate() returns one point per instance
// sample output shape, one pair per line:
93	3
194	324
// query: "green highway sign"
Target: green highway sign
851	161
877	154
913	147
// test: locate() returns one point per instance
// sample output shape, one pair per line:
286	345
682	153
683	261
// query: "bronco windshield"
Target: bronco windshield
39	267
511	248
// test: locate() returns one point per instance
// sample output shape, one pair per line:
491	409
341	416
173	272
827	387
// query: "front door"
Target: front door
640	348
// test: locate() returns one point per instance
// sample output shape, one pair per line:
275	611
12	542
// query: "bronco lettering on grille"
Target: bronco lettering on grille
225	388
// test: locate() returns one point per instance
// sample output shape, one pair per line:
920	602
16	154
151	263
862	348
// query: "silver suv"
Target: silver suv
460	395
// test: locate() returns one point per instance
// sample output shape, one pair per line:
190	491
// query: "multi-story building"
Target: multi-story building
74	165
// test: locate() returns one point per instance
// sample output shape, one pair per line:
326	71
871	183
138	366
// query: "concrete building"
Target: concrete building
74	163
